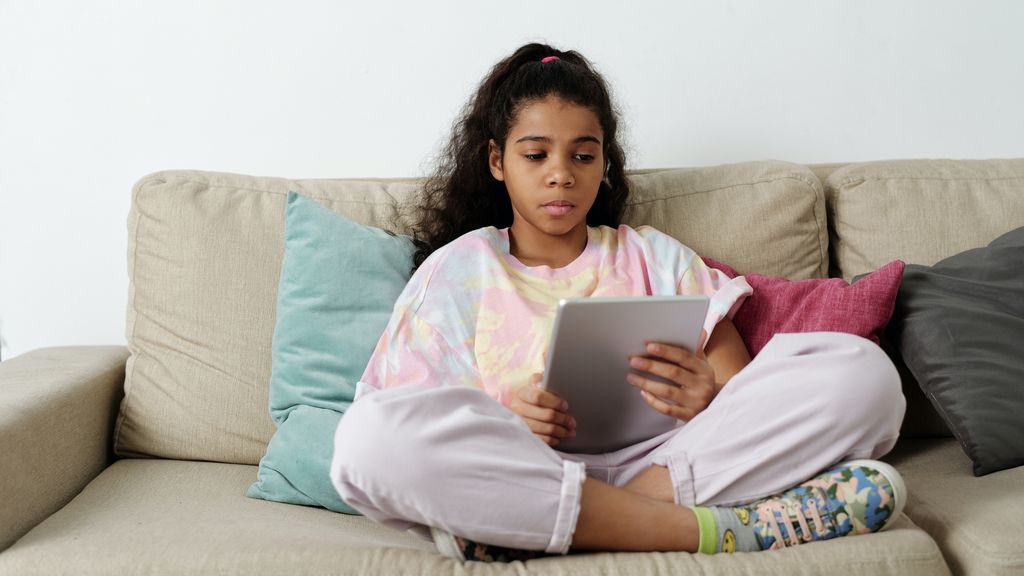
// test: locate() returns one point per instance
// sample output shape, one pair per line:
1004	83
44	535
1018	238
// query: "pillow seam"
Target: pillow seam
727	187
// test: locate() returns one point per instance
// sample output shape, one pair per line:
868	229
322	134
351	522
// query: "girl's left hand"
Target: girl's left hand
692	376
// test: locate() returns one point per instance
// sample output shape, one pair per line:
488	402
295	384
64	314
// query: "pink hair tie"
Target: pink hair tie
547	59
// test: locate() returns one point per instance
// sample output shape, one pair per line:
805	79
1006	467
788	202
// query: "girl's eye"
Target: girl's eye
542	155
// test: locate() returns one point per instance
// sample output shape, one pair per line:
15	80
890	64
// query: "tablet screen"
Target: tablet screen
588	360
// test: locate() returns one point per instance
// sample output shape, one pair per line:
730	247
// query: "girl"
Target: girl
525	210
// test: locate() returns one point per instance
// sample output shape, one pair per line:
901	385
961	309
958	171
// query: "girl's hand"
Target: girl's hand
693	379
544	412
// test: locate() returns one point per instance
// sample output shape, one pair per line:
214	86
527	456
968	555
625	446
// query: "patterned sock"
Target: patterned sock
734	532
724	530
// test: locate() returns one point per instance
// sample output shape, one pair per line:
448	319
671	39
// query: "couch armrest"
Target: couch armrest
57	411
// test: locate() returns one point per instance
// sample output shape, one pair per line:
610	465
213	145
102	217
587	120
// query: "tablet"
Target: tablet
588	360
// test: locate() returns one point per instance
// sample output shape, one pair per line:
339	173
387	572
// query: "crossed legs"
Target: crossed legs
455	459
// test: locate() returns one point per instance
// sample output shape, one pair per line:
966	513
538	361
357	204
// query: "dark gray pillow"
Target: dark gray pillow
960	329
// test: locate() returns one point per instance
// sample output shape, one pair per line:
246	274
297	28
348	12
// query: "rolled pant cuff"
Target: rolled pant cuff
682	479
573	476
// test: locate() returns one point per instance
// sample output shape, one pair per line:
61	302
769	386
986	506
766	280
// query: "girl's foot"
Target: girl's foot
463	549
856	497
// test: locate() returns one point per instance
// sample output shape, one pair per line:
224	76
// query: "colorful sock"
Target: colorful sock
856	497
707	528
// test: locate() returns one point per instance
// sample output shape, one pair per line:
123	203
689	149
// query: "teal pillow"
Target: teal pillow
339	282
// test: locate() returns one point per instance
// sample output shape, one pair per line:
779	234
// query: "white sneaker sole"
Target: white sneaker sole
445	543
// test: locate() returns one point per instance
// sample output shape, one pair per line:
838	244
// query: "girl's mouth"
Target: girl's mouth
558	207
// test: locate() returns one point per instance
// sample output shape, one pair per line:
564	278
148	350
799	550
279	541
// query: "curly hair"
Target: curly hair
462	195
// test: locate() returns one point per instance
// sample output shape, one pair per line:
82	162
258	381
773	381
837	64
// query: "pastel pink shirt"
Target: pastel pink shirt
473	315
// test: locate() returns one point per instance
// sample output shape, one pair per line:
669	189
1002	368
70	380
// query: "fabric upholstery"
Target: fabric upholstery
204	258
57	408
921	419
766	217
919	211
339	281
156	517
976	521
780	306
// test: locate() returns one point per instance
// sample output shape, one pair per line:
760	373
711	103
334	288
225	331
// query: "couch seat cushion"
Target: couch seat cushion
147	517
976	521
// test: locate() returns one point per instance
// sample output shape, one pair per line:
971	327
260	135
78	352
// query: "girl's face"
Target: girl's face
552	166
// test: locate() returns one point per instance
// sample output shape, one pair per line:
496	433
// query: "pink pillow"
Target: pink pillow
817	305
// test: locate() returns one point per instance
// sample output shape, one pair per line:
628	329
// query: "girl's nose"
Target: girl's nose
560	175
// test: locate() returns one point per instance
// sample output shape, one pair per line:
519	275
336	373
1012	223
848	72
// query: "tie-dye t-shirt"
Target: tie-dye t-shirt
473	315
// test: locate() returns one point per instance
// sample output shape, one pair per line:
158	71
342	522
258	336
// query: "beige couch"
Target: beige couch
136	460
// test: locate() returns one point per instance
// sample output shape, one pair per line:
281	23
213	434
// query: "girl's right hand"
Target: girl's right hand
545	412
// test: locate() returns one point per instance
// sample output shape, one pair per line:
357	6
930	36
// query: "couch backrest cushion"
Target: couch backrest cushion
765	217
204	260
919	211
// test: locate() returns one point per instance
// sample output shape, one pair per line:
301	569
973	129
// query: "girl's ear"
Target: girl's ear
494	160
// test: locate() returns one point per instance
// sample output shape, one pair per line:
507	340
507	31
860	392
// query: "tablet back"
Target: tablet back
588	361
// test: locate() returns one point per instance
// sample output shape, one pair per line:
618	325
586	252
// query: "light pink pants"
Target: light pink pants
453	458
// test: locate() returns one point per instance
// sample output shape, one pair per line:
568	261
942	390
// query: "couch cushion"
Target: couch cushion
149	517
919	211
921	420
976	521
766	217
959	326
339	282
58	405
781	306
204	258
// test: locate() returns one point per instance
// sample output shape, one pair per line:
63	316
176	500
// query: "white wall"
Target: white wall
94	95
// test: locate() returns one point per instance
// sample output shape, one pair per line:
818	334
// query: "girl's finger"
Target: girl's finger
548	440
546	415
681	375
691	400
681	357
540	428
674	410
671	392
543	398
